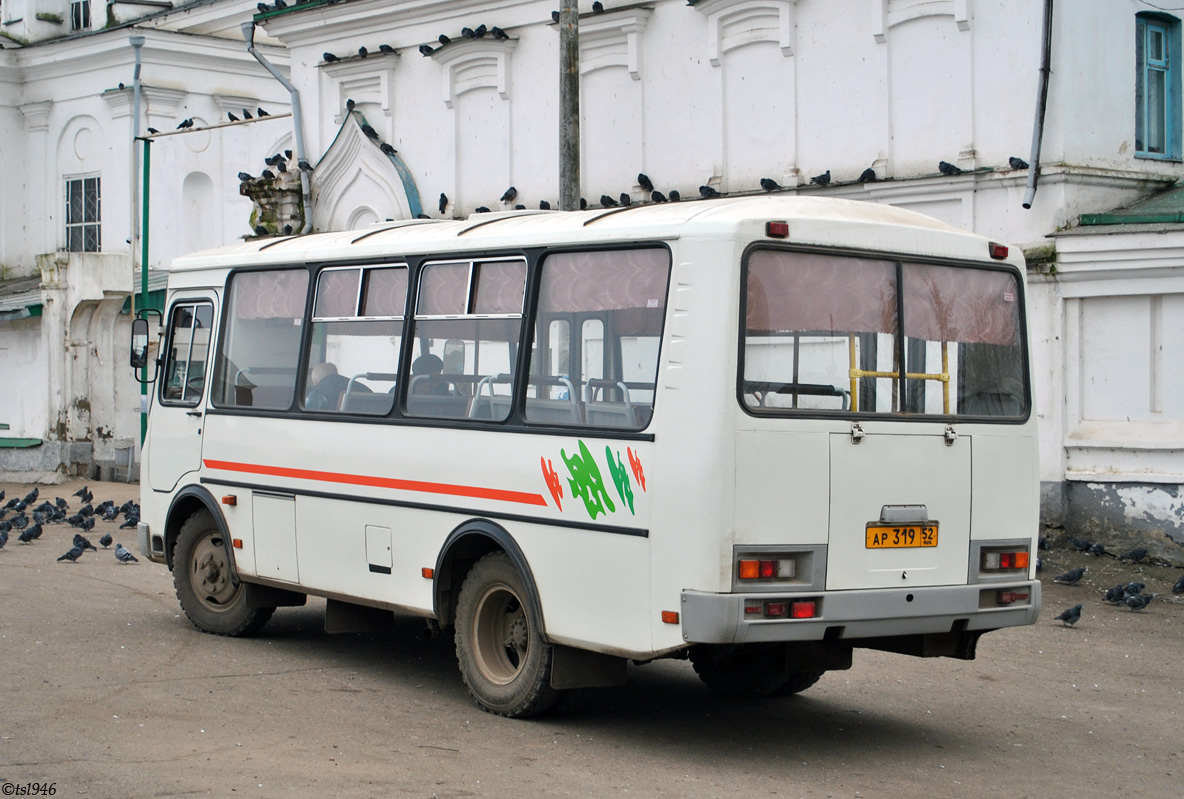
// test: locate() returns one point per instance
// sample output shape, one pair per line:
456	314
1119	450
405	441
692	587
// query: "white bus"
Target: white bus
756	432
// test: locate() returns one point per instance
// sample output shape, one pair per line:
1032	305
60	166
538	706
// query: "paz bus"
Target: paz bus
758	432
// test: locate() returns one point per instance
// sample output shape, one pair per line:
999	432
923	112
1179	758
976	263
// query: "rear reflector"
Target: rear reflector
237	542
427	573
777	230
803	610
230	499
775	609
670	616
1009	597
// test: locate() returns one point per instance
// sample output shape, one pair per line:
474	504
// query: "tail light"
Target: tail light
768	569
781	609
994	560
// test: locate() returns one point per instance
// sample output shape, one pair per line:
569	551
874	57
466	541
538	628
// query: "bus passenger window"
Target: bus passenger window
357	328
600	367
467	320
258	355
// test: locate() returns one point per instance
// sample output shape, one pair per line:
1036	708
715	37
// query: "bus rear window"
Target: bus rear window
826	333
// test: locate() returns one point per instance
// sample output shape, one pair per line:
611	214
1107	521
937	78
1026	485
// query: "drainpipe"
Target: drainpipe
297	120
1041	105
137	43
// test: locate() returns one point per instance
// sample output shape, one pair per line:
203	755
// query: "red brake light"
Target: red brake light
777	230
998	251
803	610
768	568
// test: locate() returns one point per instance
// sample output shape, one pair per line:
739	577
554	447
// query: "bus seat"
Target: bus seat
559	411
377	404
437	405
610	414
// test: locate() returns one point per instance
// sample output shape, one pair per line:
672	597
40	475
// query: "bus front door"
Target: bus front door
176	421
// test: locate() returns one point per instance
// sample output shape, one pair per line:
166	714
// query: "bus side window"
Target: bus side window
259	353
617	301
189	343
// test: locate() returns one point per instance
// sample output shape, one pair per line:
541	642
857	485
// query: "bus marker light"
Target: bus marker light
237	542
670	616
803	610
998	251
753	609
427	573
230	499
749	569
780	230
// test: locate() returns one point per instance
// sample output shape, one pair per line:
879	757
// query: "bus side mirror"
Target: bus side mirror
139	350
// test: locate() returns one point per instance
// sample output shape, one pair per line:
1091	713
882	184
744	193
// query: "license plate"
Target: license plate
901	536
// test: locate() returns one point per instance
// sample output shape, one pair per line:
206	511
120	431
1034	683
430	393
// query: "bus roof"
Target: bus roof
812	220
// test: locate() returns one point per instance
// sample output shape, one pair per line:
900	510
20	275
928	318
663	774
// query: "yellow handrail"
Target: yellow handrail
855	373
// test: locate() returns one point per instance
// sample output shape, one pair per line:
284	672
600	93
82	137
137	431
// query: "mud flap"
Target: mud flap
579	668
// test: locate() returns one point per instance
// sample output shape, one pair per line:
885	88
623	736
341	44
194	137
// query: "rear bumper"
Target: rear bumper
719	618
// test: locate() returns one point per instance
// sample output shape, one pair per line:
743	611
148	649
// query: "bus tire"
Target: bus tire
503	659
748	671
799	682
211	596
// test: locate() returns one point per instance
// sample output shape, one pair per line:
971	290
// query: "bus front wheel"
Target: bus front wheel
210	594
504	661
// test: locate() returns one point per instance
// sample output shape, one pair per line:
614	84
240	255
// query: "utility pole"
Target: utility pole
569	106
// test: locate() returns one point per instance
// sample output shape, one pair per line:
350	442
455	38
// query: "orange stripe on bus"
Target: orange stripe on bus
520	497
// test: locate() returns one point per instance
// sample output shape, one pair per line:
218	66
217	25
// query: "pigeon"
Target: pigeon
304	165
88	496
1071	616
370	132
554	16
1115	595
708	192
259	231
18	504
867	176
480	209
597	7
510	194
498	33
259	112
280	4
105	540
1042	542
287	230
426	49
247	114
768	184
1071	577
468	33
124	556
443	202
81	542
386	49
26	536
658	197
386	148
3	538
73	555
946	168
626	199
263	8
1017	163
420	215
281	166
607	202
481	31
1097	550
31	497
244	176
674	196
2	493
329	58
1139	601
230	115
1135	555
1080	544
1039	565
443	40
75	520
821	180
583	204
363	52
20	521
519	207
1178	588
186	124
153	131
132	521
267	174
544	205
643	180
87	524
34	532
1134	588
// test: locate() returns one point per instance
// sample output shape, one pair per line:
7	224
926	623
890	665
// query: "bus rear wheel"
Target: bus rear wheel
749	671
504	661
210	594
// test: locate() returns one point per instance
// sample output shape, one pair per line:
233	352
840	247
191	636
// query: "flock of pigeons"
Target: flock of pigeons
29	526
1129	594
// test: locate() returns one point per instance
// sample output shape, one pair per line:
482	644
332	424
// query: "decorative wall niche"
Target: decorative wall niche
478	64
735	23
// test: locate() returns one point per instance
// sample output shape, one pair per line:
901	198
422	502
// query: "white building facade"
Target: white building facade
723	93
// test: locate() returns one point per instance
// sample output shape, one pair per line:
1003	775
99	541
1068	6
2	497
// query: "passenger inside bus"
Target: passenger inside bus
327	387
426	371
